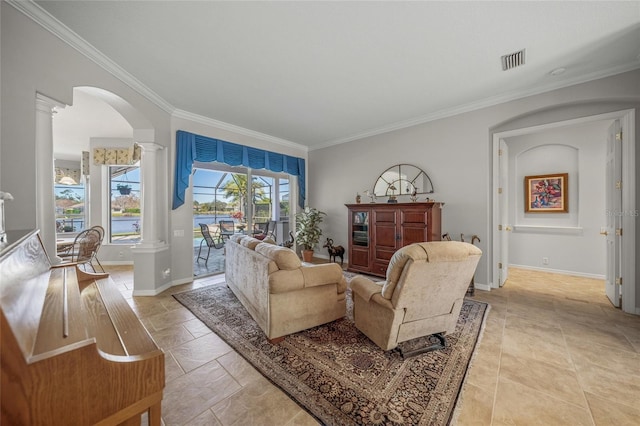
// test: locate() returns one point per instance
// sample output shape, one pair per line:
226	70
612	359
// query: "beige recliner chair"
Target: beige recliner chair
422	295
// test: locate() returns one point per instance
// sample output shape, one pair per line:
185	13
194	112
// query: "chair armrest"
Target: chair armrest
326	273
365	288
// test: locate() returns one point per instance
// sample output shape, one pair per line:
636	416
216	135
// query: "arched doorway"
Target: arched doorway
502	178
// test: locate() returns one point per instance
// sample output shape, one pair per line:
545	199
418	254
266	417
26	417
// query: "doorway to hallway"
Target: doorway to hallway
508	220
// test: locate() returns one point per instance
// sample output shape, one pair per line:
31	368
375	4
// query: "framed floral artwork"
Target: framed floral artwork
546	193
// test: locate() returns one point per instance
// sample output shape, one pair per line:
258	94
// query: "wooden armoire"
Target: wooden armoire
377	231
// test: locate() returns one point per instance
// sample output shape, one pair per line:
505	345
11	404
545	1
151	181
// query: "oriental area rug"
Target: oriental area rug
337	374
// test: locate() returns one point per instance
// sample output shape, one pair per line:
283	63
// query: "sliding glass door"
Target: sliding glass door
248	198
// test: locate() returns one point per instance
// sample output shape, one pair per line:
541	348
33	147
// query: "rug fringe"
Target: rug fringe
459	400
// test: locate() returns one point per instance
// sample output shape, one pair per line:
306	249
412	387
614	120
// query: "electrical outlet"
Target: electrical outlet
545	260
178	232
121	254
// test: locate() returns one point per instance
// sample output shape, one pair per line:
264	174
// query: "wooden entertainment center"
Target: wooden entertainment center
377	231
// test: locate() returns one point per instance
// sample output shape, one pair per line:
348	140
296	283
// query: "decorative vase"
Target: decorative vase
358	198
307	255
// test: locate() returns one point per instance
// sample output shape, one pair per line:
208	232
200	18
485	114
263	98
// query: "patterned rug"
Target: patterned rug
337	374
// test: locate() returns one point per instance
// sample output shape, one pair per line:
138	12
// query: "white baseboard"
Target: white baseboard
159	290
181	281
117	262
484	287
559	271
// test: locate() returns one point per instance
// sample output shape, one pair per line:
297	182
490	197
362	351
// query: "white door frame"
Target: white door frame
613	204
627	121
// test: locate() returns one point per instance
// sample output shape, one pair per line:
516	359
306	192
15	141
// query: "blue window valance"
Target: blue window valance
191	147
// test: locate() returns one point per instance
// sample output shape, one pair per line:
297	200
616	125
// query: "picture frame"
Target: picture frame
546	193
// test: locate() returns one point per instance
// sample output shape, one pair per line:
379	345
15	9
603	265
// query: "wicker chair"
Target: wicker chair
85	248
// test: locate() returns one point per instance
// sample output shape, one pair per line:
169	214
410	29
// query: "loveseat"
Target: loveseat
283	295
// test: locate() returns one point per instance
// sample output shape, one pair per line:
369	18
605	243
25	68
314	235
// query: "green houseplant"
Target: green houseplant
308	230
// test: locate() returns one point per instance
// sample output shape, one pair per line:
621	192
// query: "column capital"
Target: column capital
47	104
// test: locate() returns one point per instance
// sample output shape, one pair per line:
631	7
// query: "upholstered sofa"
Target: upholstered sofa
282	295
422	295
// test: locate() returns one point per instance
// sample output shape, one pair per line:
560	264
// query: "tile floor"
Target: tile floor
553	352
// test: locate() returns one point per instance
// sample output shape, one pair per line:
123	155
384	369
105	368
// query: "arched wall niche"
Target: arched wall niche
540	160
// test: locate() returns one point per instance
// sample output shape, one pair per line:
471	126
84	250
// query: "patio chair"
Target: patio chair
214	241
260	230
227	228
272	230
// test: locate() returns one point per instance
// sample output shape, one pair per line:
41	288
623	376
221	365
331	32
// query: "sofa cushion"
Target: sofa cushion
284	257
236	238
249	242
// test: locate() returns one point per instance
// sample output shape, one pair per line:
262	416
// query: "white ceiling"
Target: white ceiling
88	117
321	73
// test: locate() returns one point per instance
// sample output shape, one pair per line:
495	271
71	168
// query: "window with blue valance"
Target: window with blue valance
191	147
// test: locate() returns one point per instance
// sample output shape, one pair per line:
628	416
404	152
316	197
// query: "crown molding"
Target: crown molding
64	33
186	115
484	103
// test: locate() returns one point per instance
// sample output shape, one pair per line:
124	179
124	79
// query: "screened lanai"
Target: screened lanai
247	199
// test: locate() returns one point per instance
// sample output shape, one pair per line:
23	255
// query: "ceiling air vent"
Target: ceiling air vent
513	60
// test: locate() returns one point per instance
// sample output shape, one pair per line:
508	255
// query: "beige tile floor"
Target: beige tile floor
553	352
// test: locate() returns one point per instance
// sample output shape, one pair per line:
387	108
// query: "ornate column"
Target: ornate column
45	199
151	257
149	188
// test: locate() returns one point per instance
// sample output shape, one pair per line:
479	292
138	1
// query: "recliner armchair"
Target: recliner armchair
422	295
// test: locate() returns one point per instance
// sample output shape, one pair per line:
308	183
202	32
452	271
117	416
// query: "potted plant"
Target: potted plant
124	189
308	230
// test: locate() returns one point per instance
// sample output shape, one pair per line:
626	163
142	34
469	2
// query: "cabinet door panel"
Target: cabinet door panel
383	254
414	234
380	269
414	216
385	235
359	259
384	216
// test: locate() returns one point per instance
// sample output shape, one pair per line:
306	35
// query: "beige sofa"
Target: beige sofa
282	295
422	295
